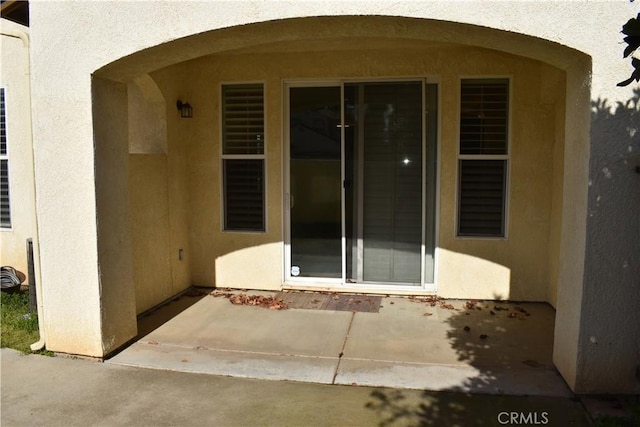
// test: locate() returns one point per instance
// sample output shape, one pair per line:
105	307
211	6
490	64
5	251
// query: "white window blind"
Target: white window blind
483	157
244	194
5	205
243	157
482	185
243	118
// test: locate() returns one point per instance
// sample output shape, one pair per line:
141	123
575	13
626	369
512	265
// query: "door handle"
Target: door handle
292	201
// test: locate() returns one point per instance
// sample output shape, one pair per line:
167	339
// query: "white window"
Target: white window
243	156
5	206
483	157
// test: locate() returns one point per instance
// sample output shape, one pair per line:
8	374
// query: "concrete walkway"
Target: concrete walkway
57	391
498	349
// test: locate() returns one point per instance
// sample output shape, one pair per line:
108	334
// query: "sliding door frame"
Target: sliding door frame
320	283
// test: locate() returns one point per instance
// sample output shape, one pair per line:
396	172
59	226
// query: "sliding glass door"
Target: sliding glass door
357	199
385	162
315	202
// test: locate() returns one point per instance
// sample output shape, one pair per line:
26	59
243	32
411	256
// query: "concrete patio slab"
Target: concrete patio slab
215	323
266	366
401	333
488	347
460	378
413	332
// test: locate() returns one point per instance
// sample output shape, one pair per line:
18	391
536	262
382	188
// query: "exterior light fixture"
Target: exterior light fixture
185	109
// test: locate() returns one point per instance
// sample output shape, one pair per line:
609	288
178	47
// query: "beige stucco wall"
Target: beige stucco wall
151	243
158	204
14	78
158	197
513	268
114	241
78	34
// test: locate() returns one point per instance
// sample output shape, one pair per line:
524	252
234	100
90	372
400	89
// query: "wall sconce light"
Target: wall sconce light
186	110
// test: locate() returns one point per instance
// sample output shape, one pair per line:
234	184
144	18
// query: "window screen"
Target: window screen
243	118
482	194
483	157
244	194
243	157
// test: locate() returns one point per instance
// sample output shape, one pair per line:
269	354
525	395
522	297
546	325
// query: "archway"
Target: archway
382	47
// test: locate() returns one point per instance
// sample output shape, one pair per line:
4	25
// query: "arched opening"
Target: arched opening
182	190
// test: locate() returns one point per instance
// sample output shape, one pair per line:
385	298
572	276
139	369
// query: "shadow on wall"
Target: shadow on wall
612	261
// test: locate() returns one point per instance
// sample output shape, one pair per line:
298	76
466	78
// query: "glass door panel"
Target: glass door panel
383	182
357	172
315	181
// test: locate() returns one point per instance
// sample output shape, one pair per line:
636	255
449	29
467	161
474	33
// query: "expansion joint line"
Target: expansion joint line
344	344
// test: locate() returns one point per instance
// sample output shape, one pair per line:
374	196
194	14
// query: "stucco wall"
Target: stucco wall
149	204
513	268
14	78
612	270
79	34
113	219
158	196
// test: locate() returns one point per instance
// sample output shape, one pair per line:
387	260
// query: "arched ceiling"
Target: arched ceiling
336	33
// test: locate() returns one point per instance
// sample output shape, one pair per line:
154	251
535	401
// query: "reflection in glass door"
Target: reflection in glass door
384	160
315	182
357	171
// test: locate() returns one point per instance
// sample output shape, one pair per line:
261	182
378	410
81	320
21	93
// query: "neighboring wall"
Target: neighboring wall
14	78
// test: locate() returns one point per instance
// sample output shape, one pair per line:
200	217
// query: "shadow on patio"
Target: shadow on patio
411	343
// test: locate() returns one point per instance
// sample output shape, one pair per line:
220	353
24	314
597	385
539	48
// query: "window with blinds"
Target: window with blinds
483	157
5	205
243	157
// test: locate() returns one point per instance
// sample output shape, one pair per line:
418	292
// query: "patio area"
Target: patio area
416	343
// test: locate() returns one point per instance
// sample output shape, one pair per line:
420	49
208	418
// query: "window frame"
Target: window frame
5	158
503	157
224	157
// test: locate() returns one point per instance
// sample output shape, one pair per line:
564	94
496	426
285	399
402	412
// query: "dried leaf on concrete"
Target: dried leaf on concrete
269	302
218	294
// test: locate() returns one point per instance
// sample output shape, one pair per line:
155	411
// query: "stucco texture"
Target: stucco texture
14	78
513	268
560	55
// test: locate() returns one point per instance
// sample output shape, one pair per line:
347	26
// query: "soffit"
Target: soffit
346	44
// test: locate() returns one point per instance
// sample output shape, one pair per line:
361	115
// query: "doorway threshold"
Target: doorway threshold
331	301
428	289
